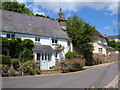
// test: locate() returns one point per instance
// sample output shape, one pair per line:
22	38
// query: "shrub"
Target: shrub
4	70
5	59
70	55
13	73
70	65
15	63
96	61
30	68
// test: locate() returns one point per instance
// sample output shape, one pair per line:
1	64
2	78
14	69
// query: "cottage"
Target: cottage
45	33
101	49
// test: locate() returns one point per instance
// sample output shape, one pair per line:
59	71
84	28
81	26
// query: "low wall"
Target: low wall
112	57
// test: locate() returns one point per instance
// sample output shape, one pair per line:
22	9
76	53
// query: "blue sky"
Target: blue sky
102	15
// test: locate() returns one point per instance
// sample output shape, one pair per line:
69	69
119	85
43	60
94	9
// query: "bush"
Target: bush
5	59
13	73
4	70
70	66
30	68
70	55
96	61
15	63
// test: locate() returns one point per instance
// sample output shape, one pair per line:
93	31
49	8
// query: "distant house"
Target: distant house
101	49
114	37
45	34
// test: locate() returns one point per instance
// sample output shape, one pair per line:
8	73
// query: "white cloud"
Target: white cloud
110	6
115	22
108	28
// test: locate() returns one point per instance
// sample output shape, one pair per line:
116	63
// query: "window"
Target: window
54	41
56	54
49	57
100	50
37	39
45	56
38	56
10	35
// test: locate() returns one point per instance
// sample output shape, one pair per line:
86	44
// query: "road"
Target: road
96	77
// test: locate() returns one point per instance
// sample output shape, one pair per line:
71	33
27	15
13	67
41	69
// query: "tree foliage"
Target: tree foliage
16	7
81	34
114	44
20	8
21	49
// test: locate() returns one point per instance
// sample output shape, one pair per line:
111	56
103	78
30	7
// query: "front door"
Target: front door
44	65
44	61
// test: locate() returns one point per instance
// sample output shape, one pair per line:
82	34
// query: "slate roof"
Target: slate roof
99	34
43	48
106	46
22	23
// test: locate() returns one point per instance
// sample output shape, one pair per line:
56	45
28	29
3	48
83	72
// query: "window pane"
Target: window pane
56	41
38	39
38	56
8	35
56	54
35	38
53	41
49	57
13	35
45	56
42	56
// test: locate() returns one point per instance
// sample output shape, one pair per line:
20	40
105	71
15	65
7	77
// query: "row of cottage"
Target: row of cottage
45	33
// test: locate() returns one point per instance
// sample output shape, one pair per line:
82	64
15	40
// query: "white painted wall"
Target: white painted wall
46	41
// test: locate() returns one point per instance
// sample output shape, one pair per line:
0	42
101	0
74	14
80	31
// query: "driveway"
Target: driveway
95	77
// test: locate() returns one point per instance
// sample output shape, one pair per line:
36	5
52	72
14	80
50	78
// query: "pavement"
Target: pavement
94	77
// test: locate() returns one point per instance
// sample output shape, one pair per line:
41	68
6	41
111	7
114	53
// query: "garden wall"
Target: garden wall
112	57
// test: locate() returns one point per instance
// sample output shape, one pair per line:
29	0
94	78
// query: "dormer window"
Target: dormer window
54	41
10	35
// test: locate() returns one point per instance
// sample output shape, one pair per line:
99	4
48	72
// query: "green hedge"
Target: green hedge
5	59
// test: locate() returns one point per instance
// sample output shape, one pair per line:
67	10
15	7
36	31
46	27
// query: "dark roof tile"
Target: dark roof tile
22	23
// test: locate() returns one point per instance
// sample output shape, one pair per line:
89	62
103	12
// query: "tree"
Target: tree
27	45
81	34
18	48
114	44
16	7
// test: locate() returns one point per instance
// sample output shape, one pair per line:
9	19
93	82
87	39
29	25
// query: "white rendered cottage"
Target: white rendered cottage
100	44
45	33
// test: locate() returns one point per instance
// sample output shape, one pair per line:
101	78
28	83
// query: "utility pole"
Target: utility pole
114	34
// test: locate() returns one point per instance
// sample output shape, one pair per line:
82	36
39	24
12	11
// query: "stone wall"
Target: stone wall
112	57
102	57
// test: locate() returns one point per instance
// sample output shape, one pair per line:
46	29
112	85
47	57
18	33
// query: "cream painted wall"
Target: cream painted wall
97	46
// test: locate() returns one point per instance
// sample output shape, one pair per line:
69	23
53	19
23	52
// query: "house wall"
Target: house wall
46	41
96	45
